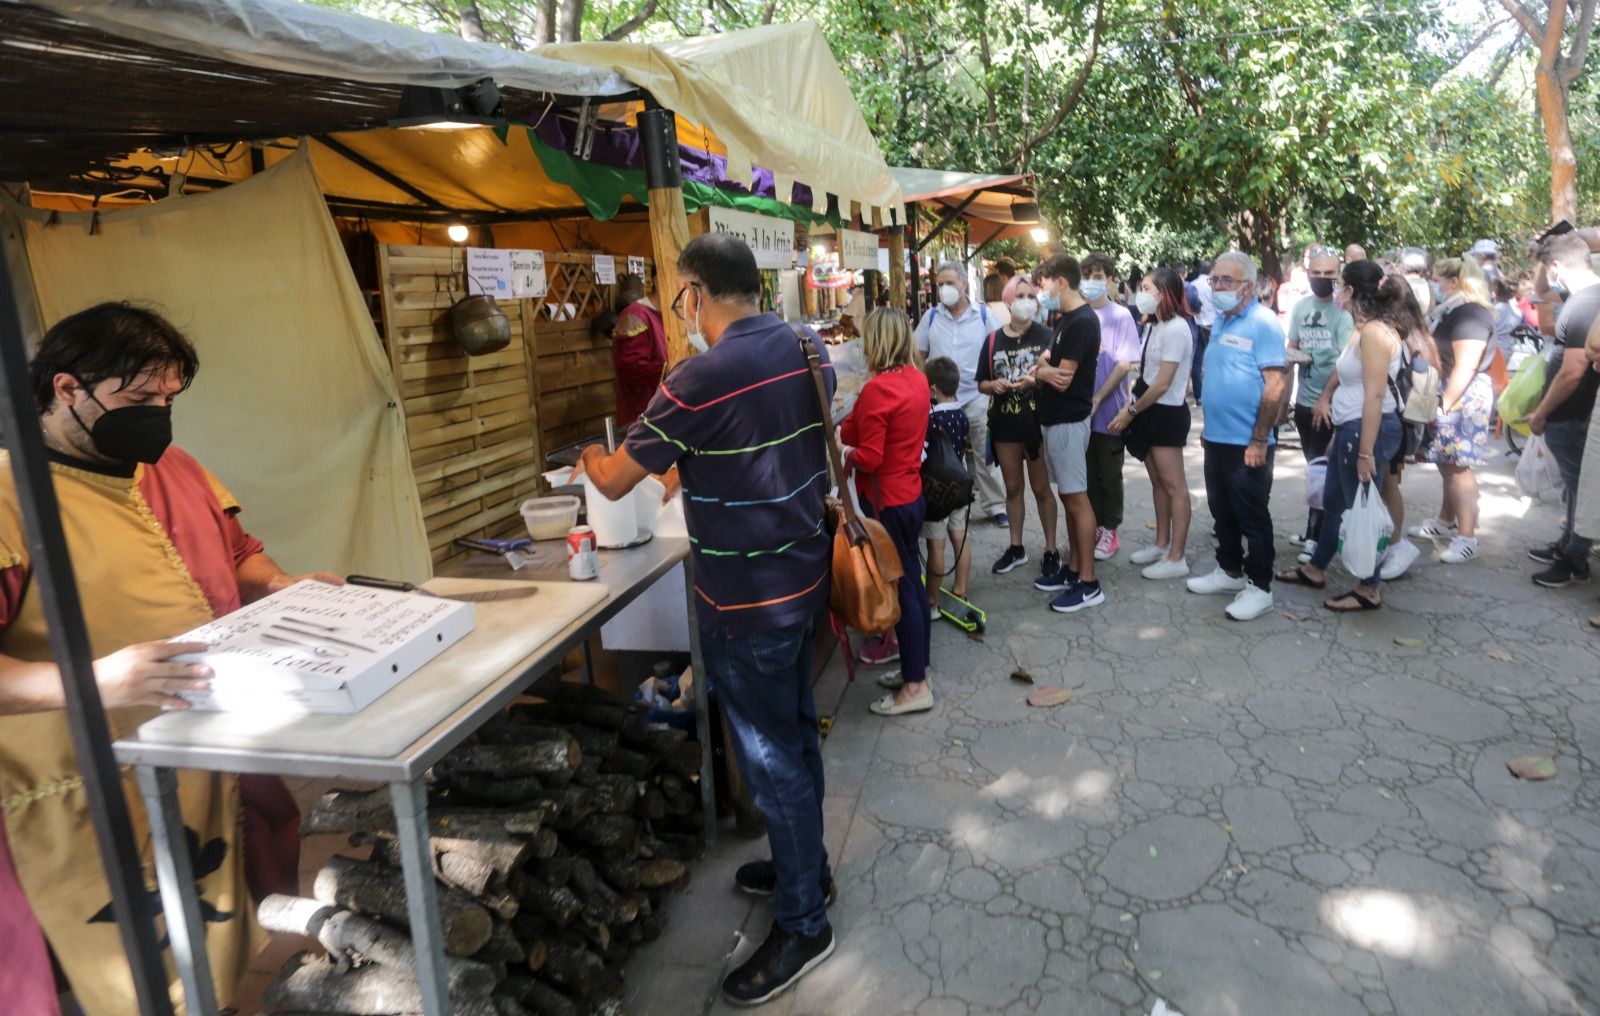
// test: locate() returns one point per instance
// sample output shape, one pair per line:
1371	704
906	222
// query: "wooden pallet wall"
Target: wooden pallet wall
479	427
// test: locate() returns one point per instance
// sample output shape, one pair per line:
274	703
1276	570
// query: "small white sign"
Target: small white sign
605	269
527	274
636	265
770	239
858	249
489	272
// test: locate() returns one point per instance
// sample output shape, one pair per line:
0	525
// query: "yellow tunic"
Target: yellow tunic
135	588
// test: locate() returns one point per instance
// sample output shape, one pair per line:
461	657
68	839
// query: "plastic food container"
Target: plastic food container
549	518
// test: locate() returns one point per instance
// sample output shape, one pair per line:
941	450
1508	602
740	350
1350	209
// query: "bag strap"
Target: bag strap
835	460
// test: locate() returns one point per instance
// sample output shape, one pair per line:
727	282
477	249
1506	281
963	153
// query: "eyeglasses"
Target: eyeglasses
1223	281
677	302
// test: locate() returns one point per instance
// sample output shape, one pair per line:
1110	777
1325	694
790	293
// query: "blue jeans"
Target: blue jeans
914	630
1566	440
763	680
1339	493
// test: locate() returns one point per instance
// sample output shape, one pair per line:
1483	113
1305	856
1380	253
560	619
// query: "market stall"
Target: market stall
983	208
286	179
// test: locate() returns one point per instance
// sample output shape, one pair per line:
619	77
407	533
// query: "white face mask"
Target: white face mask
1024	309
949	295
696	337
1146	303
1093	289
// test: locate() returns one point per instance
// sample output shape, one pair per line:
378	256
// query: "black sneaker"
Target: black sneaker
1014	557
1560	575
776	964
760	878
1051	563
1057	581
1547	553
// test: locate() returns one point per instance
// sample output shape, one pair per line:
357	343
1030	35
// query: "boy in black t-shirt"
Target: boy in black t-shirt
1065	396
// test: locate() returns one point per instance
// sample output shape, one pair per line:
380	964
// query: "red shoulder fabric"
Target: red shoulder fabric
207	537
27	980
639	352
887	427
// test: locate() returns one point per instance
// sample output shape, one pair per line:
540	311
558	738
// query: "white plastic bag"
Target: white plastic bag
1364	533
1316	480
1536	469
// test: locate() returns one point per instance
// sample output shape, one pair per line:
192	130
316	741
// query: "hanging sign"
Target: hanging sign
636	265
605	269
858	249
489	272
527	274
825	273
770	239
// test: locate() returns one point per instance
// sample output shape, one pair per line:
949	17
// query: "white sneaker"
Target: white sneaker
1401	556
1461	550
1148	555
1251	603
1217	581
1306	551
1167	569
1433	529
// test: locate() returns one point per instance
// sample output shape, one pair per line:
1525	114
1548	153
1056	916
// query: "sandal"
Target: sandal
1594	622
887	706
1298	577
1363	602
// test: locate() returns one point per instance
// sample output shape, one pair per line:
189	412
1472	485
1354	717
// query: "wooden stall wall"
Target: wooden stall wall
479	427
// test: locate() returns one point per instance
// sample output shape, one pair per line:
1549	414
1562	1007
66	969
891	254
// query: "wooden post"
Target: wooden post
897	268
916	254
669	223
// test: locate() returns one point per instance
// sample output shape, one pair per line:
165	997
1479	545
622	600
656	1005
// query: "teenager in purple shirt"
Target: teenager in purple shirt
1119	350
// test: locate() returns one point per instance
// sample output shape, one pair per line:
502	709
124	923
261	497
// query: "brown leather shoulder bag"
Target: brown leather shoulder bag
866	565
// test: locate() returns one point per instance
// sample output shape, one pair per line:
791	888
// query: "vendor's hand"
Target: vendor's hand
672	482
145	675
590	452
1366	468
1322	414
1255	454
285	581
1537	422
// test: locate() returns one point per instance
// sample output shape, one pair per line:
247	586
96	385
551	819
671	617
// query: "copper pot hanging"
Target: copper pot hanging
479	325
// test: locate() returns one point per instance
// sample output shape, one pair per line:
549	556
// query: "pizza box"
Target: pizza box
321	648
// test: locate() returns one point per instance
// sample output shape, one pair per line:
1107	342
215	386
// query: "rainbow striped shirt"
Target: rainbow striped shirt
741	423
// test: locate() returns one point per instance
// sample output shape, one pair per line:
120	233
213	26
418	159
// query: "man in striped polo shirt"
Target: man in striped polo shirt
741	425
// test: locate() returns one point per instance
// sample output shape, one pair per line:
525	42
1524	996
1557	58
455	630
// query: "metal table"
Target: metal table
318	746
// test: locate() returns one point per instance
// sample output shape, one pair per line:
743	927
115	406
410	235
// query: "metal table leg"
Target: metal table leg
588	662
180	894
702	710
422	895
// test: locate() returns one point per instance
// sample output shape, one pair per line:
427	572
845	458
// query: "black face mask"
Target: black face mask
131	433
1322	289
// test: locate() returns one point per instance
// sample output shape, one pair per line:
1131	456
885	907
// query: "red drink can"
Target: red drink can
583	560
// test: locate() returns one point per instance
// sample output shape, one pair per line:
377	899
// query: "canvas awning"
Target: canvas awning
82	84
994	207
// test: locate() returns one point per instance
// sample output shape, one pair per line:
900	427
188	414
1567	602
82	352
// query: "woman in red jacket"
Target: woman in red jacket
886	430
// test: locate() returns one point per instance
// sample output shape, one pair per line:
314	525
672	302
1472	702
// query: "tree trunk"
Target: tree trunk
373	889
1558	141
544	22
571	20
471	21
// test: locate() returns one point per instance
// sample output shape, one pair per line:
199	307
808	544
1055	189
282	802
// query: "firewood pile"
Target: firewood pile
557	832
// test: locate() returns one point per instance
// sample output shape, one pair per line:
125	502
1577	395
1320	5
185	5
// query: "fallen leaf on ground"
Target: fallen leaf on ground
1385	794
1499	654
1125	917
1155	975
1295	615
1533	767
1021	674
1409	643
1045	696
1153	851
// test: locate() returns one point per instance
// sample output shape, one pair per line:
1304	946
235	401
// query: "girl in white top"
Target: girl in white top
1362	401
1156	420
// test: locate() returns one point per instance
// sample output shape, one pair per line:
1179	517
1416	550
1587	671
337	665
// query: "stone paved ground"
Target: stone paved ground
1296	815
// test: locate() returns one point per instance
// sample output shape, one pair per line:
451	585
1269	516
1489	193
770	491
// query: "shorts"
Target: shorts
951	527
1160	426
1016	428
1066	456
1463	433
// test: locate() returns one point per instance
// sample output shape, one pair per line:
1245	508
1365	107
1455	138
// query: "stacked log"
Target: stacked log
556	832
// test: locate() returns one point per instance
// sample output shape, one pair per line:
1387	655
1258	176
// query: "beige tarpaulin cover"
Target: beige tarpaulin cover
294	407
773	95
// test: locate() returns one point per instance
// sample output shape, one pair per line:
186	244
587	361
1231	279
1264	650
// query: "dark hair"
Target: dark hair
1005	268
110	340
603	324
723	266
1503	286
943	375
993	286
1097	262
1376	295
1061	266
1412	323
1565	249
630	289
1170	297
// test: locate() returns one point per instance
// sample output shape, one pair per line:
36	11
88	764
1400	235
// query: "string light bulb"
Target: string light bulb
457	233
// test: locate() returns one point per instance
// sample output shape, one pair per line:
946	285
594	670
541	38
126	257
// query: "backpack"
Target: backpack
1416	387
946	485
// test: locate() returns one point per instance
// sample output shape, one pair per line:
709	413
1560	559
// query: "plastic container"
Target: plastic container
549	518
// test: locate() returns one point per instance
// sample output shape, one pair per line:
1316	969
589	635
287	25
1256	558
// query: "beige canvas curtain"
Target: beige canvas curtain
295	407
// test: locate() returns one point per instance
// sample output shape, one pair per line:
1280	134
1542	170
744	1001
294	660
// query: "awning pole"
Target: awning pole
897	267
69	643
916	258
669	223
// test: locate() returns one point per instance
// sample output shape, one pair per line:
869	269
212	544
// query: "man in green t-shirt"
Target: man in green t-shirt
1318	331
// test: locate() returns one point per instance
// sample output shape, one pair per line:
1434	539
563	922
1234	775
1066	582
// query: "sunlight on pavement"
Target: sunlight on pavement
1383	921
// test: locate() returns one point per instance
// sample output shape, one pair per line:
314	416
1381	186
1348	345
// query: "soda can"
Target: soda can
583	560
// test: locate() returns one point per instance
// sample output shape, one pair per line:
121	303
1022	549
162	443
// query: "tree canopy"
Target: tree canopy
1170	128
